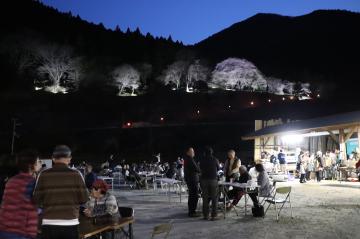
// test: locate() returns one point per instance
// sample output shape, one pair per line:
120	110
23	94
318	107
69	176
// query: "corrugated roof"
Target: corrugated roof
305	126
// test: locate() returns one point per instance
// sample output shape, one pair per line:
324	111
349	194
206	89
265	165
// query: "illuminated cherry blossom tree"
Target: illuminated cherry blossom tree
235	73
58	65
174	74
196	72
126	77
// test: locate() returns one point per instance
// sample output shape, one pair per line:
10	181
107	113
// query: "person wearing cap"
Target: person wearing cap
60	191
102	202
102	205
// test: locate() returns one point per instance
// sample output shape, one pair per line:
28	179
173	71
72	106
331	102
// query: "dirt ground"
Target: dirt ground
328	209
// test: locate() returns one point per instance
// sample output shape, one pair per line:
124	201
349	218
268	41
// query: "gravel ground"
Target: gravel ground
321	210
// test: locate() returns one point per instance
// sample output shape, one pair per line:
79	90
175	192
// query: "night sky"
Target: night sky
189	21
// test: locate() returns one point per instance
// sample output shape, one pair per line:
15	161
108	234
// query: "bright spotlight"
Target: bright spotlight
291	139
252	103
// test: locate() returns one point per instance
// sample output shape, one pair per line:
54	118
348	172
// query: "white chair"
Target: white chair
275	200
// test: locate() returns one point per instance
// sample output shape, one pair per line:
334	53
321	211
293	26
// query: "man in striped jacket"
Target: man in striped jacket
60	191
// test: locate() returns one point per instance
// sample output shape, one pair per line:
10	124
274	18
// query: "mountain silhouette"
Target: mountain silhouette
320	47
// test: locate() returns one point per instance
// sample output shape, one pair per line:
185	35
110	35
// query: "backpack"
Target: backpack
258	211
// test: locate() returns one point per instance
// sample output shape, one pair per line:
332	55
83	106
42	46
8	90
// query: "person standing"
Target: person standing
232	165
209	167
90	176
60	191
319	165
191	174
282	161
18	213
302	166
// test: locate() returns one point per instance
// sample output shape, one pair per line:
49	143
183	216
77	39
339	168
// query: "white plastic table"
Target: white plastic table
247	187
170	181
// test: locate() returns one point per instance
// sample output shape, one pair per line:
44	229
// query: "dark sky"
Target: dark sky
189	21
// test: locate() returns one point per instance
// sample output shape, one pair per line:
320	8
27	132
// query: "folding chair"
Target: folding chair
270	196
285	191
162	228
125	212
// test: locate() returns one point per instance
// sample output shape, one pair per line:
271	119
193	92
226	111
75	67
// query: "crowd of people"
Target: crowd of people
203	173
53	197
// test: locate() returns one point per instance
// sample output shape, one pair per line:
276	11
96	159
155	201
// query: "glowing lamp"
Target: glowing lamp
292	139
283	98
198	112
128	124
162	118
252	103
269	100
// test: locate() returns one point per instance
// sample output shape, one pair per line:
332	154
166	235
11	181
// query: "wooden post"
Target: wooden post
342	144
358	136
257	141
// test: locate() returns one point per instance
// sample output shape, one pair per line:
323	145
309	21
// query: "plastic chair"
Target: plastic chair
285	192
162	229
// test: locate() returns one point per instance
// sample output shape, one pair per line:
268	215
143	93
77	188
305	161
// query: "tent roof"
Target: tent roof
326	123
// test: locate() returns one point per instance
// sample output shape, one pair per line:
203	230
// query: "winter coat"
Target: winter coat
18	213
264	183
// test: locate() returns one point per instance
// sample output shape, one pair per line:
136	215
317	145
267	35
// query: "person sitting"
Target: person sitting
102	205
101	202
171	172
252	171
263	181
239	192
232	165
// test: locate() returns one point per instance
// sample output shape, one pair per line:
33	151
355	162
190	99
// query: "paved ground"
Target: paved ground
321	210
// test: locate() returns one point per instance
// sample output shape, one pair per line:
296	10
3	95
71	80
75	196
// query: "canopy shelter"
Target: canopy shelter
338	128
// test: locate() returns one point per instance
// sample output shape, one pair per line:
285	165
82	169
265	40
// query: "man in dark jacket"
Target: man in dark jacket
191	172
60	191
209	167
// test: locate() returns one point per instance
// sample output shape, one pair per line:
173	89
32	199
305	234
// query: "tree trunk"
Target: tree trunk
121	90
